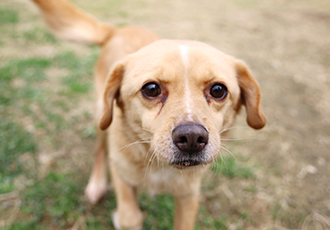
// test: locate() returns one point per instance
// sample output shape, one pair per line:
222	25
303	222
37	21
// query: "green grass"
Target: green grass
209	221
30	69
28	99
24	225
229	167
14	141
8	16
56	199
159	211
38	35
6	184
78	80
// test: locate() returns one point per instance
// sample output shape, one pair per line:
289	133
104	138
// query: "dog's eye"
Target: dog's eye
219	91
151	90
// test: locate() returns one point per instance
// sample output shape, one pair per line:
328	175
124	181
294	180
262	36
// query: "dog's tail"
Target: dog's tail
69	23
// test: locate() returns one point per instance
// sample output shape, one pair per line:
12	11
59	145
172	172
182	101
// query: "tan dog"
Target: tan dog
168	102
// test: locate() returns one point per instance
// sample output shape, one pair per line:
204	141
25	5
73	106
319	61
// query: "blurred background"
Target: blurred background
275	178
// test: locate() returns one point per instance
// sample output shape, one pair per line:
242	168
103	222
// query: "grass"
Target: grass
39	35
160	211
14	141
37	107
32	112
230	167
57	197
8	16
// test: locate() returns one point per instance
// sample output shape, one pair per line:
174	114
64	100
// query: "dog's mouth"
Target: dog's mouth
185	163
189	162
183	160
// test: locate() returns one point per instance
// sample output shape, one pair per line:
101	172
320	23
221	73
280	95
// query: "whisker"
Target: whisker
238	139
152	157
230	128
122	149
147	155
223	160
141	128
216	170
227	150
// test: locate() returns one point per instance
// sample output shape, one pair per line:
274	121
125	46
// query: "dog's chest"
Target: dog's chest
171	180
162	180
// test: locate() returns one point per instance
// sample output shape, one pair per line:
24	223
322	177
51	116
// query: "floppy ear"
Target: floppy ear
250	96
112	86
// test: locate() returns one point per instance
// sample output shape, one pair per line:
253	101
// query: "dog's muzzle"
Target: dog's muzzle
190	139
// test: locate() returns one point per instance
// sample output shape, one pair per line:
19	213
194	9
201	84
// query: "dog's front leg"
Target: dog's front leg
185	212
97	184
128	215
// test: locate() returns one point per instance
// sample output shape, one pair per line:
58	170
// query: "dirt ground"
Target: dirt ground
287	46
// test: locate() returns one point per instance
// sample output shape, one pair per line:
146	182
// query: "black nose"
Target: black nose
190	138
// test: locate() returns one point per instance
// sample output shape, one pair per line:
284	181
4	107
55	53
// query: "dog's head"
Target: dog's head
181	95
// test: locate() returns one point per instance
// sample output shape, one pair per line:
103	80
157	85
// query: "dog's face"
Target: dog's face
181	96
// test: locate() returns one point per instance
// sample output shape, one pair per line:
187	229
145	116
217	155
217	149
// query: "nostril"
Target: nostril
183	139
201	140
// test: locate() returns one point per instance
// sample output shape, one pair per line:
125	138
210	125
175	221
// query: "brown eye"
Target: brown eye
151	90
219	91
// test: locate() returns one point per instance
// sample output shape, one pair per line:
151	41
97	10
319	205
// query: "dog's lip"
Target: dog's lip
181	164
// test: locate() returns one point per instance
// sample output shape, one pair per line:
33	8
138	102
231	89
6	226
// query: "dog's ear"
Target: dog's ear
112	86
250	96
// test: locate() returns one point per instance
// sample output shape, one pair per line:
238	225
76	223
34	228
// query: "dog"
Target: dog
162	109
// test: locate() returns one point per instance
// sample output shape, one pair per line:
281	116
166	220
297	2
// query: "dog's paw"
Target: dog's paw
116	224
115	221
95	191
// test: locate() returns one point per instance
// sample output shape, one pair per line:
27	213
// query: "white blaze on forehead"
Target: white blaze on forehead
184	54
187	94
